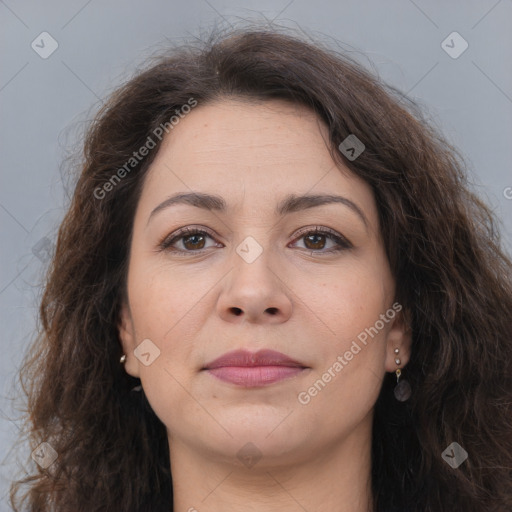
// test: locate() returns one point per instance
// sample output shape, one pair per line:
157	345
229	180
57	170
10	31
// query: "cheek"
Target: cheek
164	307
161	305
348	387
163	296
354	301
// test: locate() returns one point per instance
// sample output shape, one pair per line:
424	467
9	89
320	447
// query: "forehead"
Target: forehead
260	151
235	129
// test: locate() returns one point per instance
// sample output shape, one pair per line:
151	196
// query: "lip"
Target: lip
249	369
244	358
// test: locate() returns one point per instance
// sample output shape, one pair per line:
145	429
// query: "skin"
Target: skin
314	456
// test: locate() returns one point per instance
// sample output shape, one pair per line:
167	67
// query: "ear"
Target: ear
127	337
399	337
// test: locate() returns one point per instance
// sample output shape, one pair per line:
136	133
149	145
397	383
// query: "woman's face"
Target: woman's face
251	275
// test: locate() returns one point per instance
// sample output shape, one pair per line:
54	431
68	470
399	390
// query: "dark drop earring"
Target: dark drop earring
402	389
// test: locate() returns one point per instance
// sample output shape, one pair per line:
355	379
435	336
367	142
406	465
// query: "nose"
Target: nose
255	292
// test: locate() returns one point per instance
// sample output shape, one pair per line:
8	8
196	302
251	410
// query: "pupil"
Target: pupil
187	239
315	236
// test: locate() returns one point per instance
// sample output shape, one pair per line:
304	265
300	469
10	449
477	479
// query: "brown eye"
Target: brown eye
191	240
316	240
194	241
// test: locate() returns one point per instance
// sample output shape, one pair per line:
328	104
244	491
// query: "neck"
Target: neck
335	478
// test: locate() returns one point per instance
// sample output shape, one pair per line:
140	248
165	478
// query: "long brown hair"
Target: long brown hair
452	276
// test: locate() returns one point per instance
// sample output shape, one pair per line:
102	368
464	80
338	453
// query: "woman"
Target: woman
273	289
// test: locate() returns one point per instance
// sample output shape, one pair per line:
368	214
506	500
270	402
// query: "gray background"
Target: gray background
45	102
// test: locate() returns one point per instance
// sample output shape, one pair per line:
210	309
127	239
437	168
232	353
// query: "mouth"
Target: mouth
249	369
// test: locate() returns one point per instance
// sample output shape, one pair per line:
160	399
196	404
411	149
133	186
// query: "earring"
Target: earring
402	389
122	360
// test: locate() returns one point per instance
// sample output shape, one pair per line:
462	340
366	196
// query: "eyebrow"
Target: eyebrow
290	204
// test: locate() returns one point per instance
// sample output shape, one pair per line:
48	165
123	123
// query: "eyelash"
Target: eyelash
168	241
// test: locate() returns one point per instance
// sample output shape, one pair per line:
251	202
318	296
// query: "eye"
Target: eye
194	239
315	240
191	240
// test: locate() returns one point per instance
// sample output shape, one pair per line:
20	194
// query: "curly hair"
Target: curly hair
452	275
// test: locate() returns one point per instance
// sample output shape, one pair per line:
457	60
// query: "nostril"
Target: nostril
272	311
237	311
